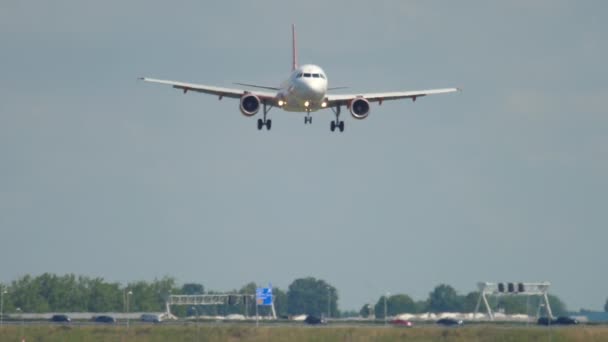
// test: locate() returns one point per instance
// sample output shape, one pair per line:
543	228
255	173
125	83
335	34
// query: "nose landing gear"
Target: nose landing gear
308	118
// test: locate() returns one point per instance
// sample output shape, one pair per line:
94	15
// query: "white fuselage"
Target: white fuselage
305	90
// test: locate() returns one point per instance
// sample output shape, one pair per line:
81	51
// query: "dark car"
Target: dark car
449	322
564	320
61	318
104	319
544	321
310	319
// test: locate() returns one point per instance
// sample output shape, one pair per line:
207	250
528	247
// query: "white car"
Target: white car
153	318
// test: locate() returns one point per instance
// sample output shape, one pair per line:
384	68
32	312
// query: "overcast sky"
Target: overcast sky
106	176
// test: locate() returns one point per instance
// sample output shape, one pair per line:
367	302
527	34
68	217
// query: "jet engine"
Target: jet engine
359	108
250	104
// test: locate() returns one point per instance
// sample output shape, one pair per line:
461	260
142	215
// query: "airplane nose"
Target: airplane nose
314	89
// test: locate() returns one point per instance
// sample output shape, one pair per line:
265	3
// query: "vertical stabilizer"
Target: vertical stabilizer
294	51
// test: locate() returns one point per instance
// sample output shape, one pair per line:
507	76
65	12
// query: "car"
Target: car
153	318
449	322
312	320
544	321
562	320
61	318
104	319
565	320
402	322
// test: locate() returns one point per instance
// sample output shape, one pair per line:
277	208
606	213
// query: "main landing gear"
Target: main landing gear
337	123
265	122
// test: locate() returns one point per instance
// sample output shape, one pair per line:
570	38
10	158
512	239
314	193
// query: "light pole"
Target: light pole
198	327
385	311
328	302
128	297
2	293
21	316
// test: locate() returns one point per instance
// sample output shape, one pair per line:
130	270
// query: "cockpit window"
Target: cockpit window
322	76
299	75
306	75
315	75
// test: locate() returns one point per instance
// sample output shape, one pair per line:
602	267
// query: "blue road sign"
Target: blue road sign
263	295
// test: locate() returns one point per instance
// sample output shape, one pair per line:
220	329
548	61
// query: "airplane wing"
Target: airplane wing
212	90
345	99
257	86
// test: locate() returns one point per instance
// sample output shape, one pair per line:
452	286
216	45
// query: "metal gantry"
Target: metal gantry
210	299
512	289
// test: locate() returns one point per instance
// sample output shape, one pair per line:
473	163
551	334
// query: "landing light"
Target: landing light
281	103
323	104
306	104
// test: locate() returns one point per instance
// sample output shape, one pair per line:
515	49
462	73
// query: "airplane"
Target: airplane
304	91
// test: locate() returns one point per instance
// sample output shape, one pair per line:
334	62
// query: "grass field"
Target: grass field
304	333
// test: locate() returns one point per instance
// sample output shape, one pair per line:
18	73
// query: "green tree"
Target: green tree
444	299
280	301
26	294
395	304
422	306
557	306
311	296
513	304
103	297
366	311
247	307
349	314
145	296
193	289
469	302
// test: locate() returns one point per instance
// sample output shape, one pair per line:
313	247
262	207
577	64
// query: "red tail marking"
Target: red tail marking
294	51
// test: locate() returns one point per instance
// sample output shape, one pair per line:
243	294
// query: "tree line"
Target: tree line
70	293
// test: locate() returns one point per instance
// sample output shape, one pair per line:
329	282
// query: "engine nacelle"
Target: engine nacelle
359	108
250	104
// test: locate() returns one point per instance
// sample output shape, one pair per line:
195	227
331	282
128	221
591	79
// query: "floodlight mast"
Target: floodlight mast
512	289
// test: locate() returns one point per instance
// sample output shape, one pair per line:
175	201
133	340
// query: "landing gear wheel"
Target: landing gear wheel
332	126
268	124
341	126
307	119
260	124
